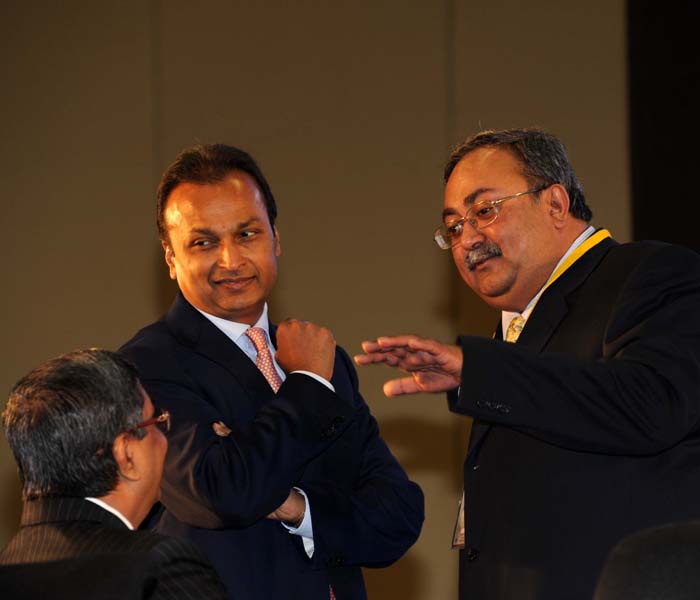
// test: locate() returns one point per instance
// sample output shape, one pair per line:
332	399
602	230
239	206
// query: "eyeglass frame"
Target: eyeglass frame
163	417
495	204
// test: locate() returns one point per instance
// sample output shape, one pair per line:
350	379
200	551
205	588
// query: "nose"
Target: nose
471	237
230	256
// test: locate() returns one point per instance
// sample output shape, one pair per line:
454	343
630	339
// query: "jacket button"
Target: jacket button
471	554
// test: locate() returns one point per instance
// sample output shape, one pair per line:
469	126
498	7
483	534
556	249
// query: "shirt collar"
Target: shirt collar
235	330
508	316
113	510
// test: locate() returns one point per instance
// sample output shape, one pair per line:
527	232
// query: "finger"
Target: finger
376	358
398	387
364	359
426	345
396	340
369	346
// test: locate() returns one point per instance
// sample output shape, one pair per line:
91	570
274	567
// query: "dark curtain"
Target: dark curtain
663	42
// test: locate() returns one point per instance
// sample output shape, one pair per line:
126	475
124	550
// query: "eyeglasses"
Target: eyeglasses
479	215
162	422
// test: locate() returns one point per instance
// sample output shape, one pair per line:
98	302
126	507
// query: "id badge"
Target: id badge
458	535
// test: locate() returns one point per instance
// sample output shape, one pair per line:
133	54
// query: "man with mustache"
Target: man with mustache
586	404
275	468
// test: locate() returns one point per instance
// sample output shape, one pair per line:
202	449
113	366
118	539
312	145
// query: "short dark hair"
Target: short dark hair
542	156
206	164
62	418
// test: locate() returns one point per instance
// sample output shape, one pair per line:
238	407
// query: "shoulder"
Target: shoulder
653	263
154	350
652	252
181	570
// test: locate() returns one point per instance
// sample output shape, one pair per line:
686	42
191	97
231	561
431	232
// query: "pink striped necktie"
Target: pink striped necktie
264	358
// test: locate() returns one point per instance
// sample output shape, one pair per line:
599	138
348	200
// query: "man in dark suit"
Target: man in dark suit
586	429
276	468
90	453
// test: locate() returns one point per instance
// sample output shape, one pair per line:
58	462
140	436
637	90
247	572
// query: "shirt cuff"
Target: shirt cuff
318	378
305	529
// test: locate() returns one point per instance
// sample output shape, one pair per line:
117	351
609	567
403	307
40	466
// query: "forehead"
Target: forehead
236	197
481	171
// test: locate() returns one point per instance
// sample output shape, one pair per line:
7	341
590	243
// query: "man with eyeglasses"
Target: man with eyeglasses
90	449
587	402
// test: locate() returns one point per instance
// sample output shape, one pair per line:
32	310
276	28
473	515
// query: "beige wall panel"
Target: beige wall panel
76	168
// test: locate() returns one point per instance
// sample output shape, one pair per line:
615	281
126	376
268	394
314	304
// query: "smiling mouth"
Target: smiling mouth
234	283
474	265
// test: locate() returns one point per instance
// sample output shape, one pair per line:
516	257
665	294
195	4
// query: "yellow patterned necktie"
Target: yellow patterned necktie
514	329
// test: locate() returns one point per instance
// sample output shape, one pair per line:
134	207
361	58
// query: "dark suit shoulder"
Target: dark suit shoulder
156	352
181	570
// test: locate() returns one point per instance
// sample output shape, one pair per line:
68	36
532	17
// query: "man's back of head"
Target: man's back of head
62	418
90	453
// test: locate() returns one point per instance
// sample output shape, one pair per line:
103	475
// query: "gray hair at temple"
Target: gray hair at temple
62	418
542	156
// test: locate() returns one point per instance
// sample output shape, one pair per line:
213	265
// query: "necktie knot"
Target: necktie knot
258	337
264	358
515	328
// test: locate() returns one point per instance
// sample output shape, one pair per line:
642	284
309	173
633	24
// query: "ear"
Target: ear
558	204
170	260
123	452
278	248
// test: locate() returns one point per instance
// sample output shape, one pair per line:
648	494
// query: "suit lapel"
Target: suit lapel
198	333
552	306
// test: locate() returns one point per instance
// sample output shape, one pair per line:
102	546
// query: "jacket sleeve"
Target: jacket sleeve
377	516
216	477
640	397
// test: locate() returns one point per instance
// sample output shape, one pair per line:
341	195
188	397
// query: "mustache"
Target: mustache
483	252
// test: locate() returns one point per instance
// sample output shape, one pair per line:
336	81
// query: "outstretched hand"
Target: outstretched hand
433	367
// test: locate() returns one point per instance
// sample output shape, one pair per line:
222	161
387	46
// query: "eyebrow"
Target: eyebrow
208	231
468	200
203	231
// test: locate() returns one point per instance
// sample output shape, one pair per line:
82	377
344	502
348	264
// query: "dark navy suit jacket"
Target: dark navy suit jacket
588	428
217	490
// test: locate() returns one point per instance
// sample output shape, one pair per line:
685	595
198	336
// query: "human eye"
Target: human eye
454	229
202	243
483	211
248	235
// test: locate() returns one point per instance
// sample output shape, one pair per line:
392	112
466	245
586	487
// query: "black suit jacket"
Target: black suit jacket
72	548
586	430
217	490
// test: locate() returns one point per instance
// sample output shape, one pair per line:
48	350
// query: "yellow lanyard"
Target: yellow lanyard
593	240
